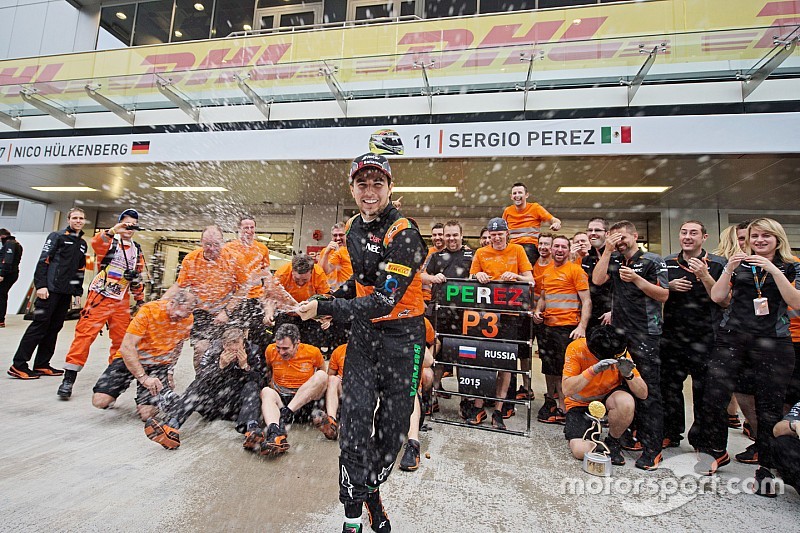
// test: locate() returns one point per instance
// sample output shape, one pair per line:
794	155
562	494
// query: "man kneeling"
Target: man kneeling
299	378
594	369
149	350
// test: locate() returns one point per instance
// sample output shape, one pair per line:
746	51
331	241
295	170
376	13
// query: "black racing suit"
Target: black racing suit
10	256
383	300
60	270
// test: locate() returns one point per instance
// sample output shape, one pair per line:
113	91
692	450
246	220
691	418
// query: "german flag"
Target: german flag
140	147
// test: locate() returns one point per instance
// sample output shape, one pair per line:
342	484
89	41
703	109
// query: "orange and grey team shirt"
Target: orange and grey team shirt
318	284
161	337
213	282
427	288
525	226
253	259
561	286
538	278
110	281
342	269
292	373
494	263
336	364
430	335
577	359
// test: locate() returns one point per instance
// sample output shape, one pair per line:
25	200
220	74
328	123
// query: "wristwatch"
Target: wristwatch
628	378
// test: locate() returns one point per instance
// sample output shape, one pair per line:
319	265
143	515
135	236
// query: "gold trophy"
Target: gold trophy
598	461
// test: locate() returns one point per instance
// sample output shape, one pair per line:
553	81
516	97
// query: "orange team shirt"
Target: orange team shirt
427	288
577	359
538	278
512	259
213	282
526	225
318	284
293	373
336	364
430	335
340	259
561	286
160	335
253	258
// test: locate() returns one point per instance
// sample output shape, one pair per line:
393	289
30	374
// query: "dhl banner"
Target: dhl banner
680	135
608	35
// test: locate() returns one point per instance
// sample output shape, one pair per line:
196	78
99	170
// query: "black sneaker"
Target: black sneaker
22	372
48	370
378	519
476	415
749	456
253	440
649	460
747	431
410	460
65	389
275	443
546	410
508	410
710	461
615	451
497	420
765	483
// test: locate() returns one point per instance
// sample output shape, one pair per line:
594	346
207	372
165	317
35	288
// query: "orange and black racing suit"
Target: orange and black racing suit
383	300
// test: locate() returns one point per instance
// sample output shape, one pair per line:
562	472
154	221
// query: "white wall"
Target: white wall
30	28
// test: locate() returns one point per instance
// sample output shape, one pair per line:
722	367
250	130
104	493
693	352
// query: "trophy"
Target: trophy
598	461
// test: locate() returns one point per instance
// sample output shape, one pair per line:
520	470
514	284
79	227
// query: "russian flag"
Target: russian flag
112	274
467	352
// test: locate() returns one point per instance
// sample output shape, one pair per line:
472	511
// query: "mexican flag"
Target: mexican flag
616	135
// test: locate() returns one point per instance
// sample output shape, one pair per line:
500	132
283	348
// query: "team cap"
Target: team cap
370	160
497	224
128	213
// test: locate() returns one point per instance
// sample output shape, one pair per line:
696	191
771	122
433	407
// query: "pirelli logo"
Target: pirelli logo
398	269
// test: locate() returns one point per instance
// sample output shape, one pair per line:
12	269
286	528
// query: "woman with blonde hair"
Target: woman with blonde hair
754	332
728	243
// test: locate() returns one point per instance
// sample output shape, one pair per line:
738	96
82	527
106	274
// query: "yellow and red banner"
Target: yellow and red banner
575	39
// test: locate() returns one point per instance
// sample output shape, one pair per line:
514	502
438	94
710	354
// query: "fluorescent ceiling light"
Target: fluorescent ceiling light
651	190
191	189
64	189
425	189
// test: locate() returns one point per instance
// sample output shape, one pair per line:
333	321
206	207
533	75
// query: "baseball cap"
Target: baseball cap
128	213
497	224
370	160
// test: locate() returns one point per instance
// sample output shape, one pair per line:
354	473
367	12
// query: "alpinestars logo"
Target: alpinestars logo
385	472
346	482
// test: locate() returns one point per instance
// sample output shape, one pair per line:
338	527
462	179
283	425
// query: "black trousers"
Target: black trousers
649	418
772	361
382	370
223	393
5	286
786	458
682	356
42	333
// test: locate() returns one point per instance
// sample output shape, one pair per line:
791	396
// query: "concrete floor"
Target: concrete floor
65	466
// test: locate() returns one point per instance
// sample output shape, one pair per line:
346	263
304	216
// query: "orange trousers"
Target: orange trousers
98	311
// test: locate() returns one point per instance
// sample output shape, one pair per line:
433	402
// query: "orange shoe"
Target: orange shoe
253	440
275	443
163	434
325	423
22	372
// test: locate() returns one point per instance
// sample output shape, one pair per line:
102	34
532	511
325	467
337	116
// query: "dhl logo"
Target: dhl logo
455	50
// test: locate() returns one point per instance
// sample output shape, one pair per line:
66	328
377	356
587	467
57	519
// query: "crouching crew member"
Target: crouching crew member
148	353
599	368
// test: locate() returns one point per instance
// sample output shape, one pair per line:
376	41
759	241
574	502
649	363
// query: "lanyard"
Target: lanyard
758	282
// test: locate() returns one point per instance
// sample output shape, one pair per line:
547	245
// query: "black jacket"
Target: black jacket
10	256
386	255
61	266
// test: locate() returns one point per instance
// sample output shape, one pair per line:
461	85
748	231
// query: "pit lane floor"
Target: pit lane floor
67	466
